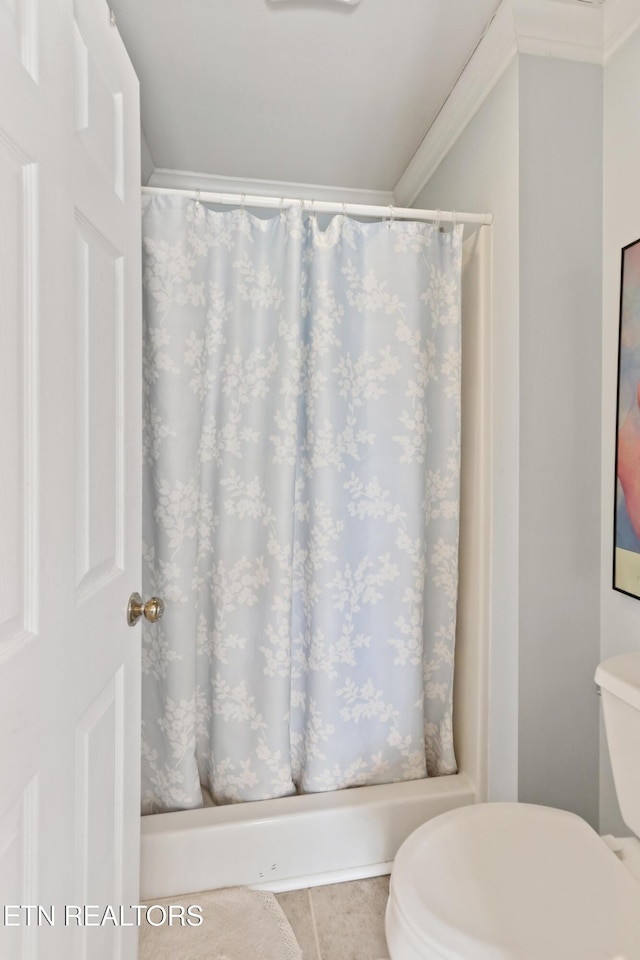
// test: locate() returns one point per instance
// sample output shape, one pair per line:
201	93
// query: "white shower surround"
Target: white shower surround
308	840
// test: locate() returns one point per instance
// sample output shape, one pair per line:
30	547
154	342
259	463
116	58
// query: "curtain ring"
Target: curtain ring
197	198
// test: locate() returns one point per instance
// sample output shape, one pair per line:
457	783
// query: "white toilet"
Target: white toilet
514	881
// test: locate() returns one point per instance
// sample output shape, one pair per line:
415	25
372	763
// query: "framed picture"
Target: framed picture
626	552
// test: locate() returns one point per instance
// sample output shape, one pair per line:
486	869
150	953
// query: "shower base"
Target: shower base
291	842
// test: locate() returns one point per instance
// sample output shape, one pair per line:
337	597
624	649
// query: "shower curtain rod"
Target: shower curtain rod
326	206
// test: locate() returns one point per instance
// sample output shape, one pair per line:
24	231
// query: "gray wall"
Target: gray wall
620	615
533	156
480	173
560	390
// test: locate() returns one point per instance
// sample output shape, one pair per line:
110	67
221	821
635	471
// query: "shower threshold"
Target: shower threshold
291	842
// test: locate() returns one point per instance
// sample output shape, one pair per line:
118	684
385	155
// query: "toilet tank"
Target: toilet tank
619	682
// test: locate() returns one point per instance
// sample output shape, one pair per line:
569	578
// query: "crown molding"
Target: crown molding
491	58
621	19
538	27
188	180
561	30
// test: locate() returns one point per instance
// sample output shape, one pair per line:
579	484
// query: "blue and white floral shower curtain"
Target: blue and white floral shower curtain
302	439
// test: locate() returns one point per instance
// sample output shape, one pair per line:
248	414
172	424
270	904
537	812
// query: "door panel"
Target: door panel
99	440
18	860
100	814
18	281
69	475
98	114
19	23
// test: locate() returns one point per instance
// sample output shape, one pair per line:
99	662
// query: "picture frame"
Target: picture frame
626	542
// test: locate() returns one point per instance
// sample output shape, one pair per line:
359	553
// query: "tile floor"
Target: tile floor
342	921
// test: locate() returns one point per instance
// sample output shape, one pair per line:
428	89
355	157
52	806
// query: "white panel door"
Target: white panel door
69	480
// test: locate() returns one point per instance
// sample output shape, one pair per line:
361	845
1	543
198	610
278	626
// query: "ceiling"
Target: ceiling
299	91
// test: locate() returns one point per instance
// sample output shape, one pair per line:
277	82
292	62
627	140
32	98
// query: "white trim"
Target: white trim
325	206
147	163
189	180
621	19
560	30
471	681
323	879
538	27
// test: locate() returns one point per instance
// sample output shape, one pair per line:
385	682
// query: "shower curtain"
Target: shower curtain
301	490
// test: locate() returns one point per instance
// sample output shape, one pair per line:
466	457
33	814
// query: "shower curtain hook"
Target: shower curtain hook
344	209
455	220
391	216
197	198
438	215
243	200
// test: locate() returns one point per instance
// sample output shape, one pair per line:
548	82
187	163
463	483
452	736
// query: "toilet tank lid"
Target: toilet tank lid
620	676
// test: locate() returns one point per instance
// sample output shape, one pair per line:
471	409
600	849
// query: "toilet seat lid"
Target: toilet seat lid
497	881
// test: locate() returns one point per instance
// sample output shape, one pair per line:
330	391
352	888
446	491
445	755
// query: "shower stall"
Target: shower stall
337	834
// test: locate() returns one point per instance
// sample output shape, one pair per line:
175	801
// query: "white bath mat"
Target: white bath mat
237	924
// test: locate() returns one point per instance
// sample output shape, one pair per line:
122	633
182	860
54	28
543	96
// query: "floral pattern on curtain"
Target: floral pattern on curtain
301	501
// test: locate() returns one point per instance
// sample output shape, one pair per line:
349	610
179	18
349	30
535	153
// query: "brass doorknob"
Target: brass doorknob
152	610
